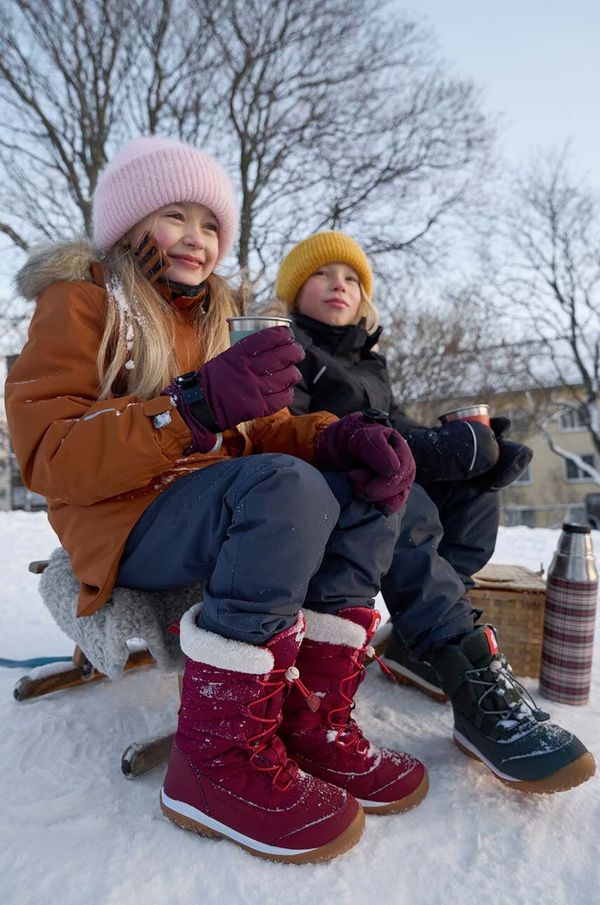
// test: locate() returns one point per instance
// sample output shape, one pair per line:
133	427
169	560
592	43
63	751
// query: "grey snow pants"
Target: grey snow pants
447	534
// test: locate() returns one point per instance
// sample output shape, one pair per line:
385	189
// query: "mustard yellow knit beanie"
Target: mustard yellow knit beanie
307	256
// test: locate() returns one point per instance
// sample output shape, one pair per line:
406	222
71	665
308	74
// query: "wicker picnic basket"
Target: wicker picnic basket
512	599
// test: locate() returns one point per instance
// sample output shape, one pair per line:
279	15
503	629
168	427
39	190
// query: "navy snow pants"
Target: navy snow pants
269	534
447	534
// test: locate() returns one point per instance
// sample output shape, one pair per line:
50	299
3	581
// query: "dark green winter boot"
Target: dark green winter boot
497	722
409	671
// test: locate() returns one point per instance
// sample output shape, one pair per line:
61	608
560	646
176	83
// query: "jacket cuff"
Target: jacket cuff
171	431
322	422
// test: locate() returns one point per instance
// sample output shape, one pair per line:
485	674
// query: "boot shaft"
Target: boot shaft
326	741
228	711
331	663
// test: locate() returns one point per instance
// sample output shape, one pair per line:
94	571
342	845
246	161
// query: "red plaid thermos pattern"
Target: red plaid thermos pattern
569	618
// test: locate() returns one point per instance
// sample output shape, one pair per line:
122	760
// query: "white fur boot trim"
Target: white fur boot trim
223	653
332	629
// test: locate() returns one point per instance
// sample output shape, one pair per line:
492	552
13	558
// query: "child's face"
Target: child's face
188	234
331	295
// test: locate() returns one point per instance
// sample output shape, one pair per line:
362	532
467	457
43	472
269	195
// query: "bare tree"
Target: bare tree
441	355
76	79
341	116
329	113
552	284
15	315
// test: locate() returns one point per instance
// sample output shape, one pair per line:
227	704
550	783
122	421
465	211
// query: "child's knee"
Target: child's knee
303	486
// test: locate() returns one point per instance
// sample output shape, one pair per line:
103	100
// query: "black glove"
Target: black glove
457	451
500	426
513	461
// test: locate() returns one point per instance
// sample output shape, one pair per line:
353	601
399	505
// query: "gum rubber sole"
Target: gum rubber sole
336	847
404	804
568	777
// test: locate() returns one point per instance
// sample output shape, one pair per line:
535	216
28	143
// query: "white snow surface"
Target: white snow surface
74	831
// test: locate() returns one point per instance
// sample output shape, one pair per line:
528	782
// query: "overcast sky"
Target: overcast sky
538	64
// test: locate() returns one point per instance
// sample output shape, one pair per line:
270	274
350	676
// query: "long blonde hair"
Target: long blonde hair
136	353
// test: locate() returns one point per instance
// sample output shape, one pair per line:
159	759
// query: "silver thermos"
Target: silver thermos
569	618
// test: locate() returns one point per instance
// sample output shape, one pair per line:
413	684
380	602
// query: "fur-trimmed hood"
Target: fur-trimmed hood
49	264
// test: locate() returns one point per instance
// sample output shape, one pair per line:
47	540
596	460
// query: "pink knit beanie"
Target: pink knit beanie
148	173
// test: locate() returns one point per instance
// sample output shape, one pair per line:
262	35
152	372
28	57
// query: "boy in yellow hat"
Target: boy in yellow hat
449	526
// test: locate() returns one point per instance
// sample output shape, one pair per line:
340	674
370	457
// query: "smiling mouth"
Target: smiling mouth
184	259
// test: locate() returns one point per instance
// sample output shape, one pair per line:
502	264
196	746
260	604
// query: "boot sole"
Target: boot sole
190	818
420	684
403	804
568	777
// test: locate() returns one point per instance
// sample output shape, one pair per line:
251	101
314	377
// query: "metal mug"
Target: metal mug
478	412
240	327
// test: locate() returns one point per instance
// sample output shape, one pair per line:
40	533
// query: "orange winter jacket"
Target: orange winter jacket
100	463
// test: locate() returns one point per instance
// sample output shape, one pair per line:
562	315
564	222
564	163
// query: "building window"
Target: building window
576	513
571	420
574	474
515	515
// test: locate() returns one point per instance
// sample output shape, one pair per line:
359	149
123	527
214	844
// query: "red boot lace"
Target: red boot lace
348	733
284	770
371	652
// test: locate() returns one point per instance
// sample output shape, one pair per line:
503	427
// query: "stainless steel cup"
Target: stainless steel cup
240	327
479	412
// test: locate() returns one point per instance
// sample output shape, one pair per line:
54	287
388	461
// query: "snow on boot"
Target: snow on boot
317	726
229	774
497	721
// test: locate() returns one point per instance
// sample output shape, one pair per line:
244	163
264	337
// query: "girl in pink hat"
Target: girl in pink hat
169	457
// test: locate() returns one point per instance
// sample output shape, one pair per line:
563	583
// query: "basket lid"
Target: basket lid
509	578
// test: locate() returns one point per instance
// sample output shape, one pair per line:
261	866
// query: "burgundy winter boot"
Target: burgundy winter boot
229	774
317	727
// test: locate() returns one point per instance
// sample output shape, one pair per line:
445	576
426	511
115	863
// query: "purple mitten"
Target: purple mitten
379	463
253	378
389	494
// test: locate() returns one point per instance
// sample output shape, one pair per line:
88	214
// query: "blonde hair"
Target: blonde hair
366	309
136	353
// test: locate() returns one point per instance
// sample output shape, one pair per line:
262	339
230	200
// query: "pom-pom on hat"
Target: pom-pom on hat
307	256
148	173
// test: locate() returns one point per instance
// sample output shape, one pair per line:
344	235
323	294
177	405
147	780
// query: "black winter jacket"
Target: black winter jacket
342	374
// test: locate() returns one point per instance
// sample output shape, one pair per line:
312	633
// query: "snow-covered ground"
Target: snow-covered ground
73	831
